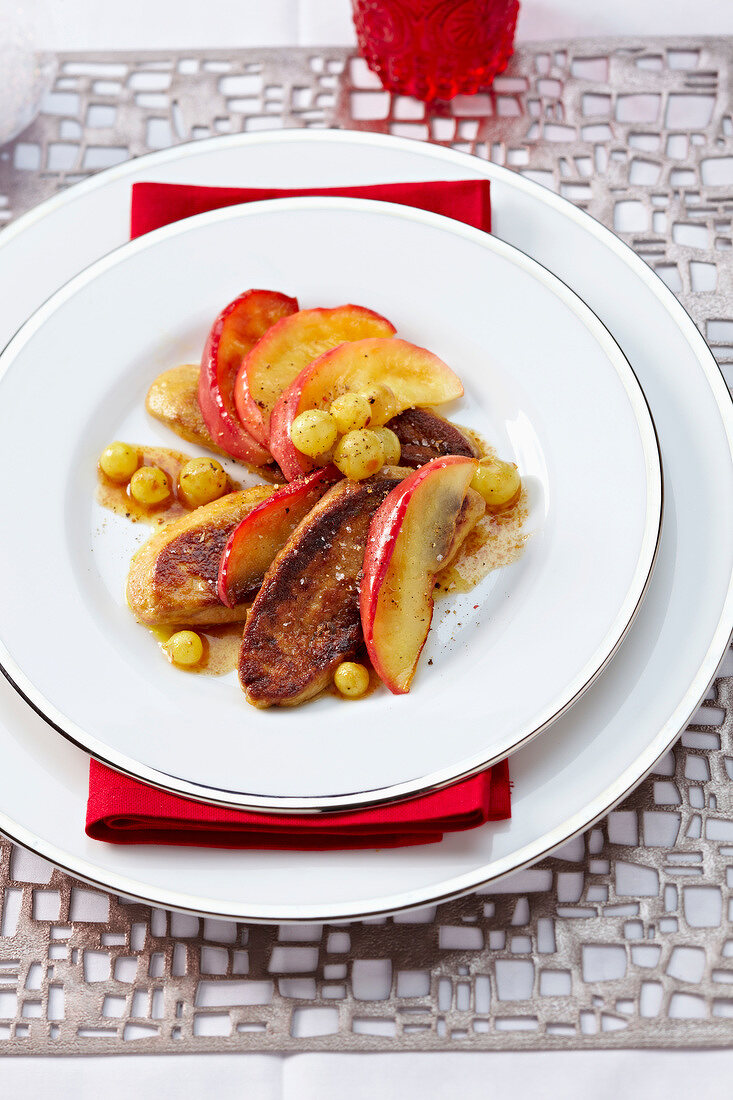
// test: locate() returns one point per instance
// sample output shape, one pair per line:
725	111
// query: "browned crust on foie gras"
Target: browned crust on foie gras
306	619
425	435
173	576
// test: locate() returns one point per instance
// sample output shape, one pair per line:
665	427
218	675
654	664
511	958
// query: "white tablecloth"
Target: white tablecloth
577	1075
596	1075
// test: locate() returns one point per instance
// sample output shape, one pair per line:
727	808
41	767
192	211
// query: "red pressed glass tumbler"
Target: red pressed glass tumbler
436	49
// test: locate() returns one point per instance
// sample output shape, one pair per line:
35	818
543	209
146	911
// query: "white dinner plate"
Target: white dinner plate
592	756
545	383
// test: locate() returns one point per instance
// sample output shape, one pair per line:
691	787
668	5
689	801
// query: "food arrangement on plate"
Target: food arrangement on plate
569	784
370	502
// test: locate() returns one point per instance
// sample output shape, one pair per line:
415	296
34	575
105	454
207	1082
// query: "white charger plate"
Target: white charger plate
591	757
545	383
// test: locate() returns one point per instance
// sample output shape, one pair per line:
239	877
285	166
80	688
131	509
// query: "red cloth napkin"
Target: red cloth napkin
122	810
157	204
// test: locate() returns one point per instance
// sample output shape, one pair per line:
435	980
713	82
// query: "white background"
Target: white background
150	24
132	24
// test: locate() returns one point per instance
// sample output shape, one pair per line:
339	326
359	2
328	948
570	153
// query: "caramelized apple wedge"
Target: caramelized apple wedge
234	333
255	542
289	346
415	376
410	539
305	620
472	510
174	576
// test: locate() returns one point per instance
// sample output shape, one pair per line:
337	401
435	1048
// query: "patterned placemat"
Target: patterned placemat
622	938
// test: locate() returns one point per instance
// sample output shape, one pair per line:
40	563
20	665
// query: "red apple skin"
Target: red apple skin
234	333
254	543
417	377
289	346
384	532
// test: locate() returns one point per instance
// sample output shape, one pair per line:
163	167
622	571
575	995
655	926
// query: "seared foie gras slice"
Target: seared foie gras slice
173	399
255	542
306	620
173	577
424	435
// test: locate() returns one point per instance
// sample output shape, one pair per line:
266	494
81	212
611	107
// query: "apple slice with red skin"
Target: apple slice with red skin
409	539
414	374
255	542
289	346
234	333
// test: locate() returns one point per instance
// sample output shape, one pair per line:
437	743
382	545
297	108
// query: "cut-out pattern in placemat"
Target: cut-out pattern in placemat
622	938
